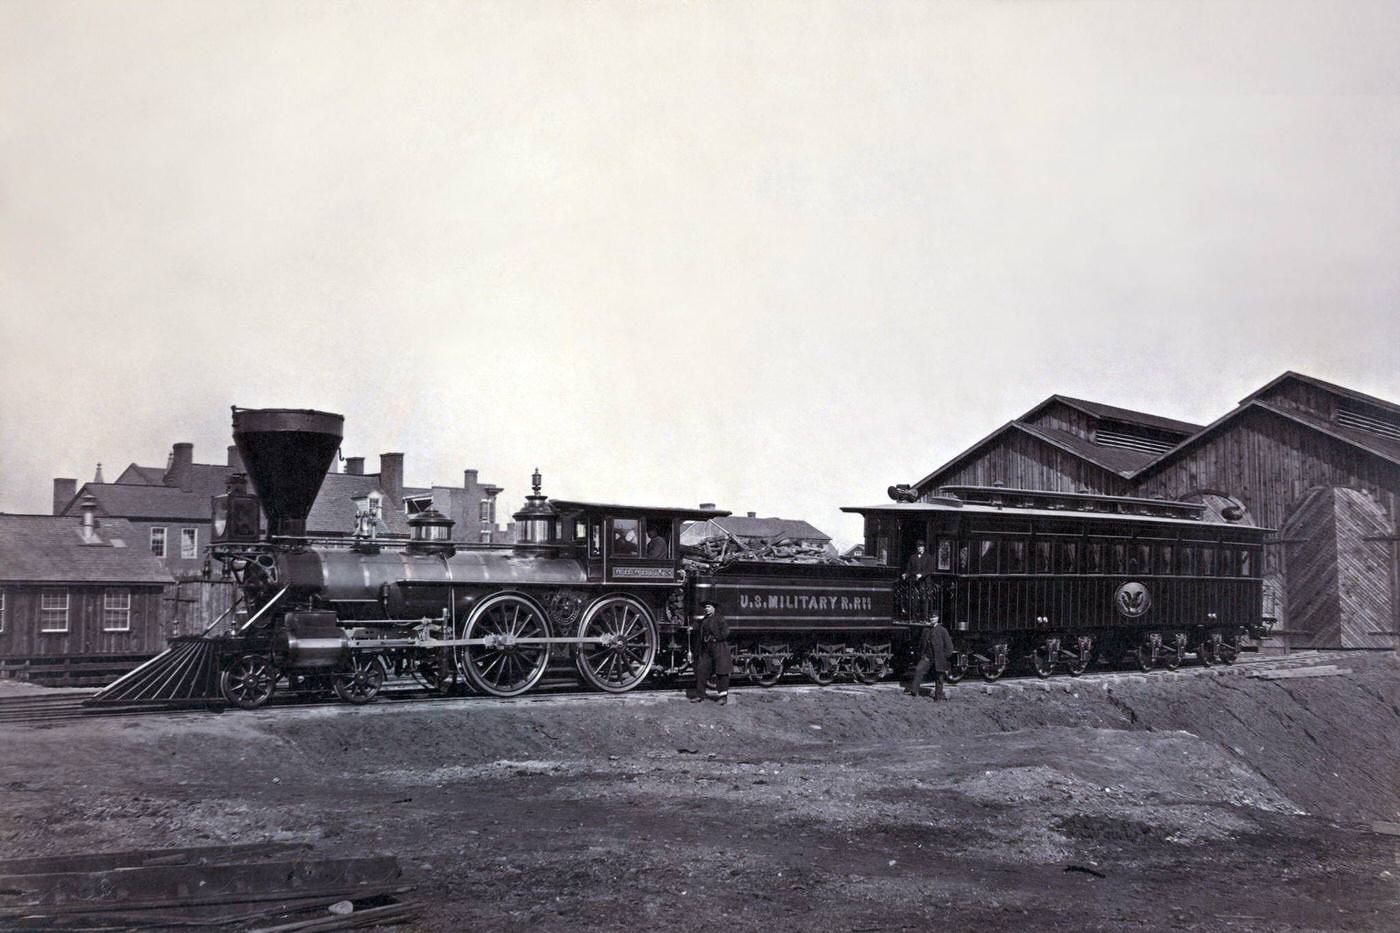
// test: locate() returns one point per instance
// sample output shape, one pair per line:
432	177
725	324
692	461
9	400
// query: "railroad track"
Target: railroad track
39	709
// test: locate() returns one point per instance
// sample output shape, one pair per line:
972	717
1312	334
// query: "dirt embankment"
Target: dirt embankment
1196	801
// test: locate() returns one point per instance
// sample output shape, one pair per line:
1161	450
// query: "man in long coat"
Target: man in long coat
935	648
712	654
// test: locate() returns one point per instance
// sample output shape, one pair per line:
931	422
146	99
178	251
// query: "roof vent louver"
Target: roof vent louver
1137	442
1351	418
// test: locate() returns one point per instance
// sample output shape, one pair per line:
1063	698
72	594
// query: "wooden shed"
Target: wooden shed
81	600
1316	462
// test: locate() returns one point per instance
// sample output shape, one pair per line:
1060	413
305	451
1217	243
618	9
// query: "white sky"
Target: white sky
772	255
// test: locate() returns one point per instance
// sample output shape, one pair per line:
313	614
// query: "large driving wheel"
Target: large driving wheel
362	681
625	656
249	681
503	666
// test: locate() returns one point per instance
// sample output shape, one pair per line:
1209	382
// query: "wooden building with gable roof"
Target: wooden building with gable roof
1317	462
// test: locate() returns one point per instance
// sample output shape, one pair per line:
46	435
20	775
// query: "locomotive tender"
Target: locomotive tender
1057	579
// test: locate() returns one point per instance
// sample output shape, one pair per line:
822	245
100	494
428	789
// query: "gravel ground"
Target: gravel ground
1198	801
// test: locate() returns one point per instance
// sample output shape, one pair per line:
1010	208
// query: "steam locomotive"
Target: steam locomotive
1059	580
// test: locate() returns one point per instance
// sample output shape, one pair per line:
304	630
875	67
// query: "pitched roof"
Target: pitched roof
1114	413
770	529
1326	386
135	474
1115	459
1382	447
50	549
333	512
139	501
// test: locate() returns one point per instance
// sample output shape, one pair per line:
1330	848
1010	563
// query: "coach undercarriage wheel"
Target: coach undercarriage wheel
362	681
624	657
1077	661
1145	657
1042	663
1226	650
249	681
991	668
868	668
505	665
1174	654
1205	651
957	667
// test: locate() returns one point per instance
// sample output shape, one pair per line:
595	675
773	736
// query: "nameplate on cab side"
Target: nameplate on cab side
647	573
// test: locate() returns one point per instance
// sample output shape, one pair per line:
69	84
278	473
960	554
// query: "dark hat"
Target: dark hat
921	543
707	602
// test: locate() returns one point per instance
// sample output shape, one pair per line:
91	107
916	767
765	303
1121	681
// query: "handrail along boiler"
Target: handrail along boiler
1056	579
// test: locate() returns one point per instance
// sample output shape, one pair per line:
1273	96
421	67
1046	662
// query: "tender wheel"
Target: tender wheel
1041	663
766	672
249	681
624	660
957	668
504	667
361	683
868	668
820	671
1227	650
1078	662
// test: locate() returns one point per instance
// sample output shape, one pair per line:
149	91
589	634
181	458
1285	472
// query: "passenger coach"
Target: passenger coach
1062	580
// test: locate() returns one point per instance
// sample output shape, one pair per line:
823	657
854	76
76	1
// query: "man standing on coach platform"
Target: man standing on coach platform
935	647
712	654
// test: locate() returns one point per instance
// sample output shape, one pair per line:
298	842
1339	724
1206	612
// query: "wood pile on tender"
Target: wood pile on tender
267	887
721	550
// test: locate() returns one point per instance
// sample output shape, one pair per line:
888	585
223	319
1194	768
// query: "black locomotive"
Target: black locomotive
1057	579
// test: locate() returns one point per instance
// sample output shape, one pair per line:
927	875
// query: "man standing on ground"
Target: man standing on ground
712	654
935	647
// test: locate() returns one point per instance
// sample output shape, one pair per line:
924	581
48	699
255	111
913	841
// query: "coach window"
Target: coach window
1207	561
1117	557
1093	557
1015	557
1042	557
987	556
1225	562
1138	555
945	554
1246	563
624	537
1164	559
1069	557
1188	560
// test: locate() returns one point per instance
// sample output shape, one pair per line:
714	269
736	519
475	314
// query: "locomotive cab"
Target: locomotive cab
623	544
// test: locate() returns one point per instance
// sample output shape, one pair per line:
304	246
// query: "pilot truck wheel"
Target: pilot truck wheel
625	658
249	681
362	681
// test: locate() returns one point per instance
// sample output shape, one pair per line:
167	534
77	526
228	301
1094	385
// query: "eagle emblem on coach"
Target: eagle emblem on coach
1132	599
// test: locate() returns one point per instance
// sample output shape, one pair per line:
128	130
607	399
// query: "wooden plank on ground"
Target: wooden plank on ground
1326	670
106	861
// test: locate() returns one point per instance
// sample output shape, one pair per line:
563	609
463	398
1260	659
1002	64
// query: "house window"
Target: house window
53	611
2	610
488	510
116	610
486	537
158	542
189	543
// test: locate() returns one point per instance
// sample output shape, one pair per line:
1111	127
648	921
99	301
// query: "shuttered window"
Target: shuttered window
116	610
53	611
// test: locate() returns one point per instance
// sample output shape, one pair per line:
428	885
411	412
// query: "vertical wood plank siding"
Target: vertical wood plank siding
23	639
1026	462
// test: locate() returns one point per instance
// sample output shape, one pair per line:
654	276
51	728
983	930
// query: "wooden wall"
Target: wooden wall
85	637
1061	416
1021	461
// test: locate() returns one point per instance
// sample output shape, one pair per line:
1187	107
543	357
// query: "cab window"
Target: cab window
658	540
625	537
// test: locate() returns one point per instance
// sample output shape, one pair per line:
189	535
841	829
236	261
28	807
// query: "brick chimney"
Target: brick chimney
181	459
234	460
753	515
708	505
469	479
391	479
355	466
64	490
